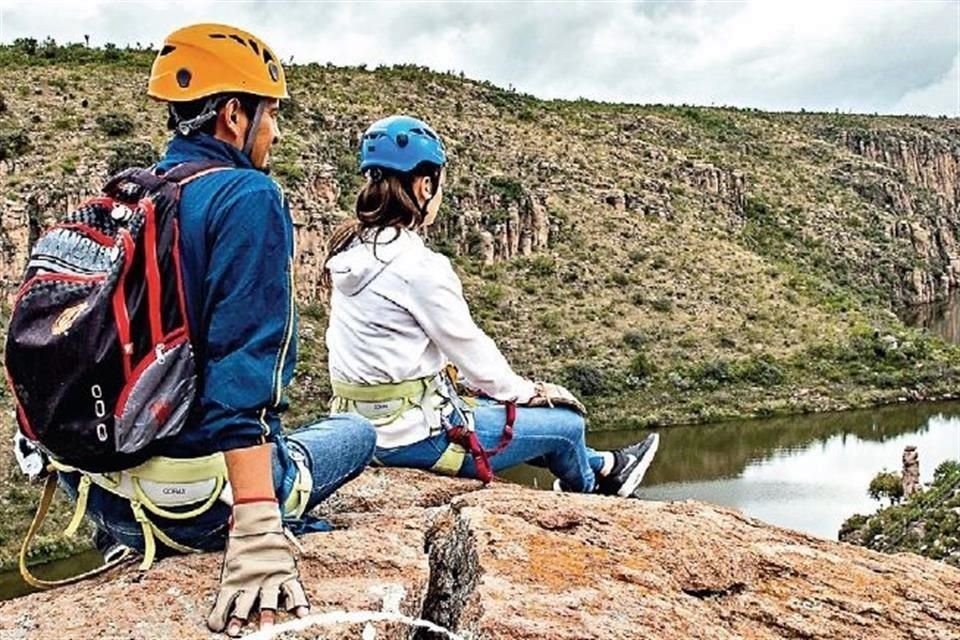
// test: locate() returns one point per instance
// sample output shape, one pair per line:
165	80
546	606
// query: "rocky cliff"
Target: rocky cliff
511	562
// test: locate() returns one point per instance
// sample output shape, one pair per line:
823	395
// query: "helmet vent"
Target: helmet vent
217	36
254	46
237	38
167	50
267	56
183	78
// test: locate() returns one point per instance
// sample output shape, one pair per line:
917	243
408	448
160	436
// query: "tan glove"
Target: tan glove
555	395
258	565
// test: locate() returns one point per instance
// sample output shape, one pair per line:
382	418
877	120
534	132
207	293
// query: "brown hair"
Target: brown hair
386	200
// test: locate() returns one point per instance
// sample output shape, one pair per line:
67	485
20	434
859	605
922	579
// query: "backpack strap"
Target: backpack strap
188	171
151	180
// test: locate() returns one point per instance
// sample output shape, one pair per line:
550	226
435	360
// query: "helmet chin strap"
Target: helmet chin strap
251	134
408	187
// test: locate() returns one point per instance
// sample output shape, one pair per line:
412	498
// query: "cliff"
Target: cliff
511	562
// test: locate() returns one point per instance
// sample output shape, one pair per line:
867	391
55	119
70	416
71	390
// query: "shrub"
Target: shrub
115	124
762	371
945	470
620	279
640	367
662	304
886	485
713	373
13	143
508	188
634	340
130	154
585	379
543	266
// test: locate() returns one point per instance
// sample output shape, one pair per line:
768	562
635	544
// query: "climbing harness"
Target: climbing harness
443	408
163	487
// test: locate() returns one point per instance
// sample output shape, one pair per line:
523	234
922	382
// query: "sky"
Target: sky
868	56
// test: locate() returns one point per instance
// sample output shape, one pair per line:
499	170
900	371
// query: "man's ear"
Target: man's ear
232	117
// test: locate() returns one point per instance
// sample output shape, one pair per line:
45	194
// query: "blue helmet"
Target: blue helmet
400	143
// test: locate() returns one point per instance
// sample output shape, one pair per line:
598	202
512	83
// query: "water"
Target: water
808	473
941	318
13	586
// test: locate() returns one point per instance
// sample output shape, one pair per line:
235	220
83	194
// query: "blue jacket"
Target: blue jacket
236	247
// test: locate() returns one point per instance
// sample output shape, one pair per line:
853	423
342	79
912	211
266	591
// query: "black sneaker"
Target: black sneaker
108	547
629	466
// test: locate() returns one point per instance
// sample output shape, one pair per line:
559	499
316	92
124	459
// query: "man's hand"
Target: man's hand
555	395
258	566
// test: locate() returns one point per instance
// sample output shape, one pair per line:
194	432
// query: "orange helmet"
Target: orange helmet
206	59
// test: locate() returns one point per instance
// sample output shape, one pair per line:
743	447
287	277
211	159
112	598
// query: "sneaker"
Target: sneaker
108	547
629	466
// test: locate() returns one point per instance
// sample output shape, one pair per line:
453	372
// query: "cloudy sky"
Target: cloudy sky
865	56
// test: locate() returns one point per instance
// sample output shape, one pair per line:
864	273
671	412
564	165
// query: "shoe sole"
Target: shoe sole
636	476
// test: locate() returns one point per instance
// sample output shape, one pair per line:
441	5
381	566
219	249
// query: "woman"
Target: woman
397	316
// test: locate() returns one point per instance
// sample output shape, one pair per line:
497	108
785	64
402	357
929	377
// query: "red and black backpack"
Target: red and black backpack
98	351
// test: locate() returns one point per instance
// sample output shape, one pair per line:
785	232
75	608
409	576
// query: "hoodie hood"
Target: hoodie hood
353	269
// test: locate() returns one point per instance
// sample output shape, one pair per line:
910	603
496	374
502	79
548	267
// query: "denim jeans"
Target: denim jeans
335	450
542	436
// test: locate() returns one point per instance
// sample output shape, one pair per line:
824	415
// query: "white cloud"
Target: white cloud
939	97
852	55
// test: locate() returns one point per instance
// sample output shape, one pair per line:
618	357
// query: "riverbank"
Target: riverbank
509	562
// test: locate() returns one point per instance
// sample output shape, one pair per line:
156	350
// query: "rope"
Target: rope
350	617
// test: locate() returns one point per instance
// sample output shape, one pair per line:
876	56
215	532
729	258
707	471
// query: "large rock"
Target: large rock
512	562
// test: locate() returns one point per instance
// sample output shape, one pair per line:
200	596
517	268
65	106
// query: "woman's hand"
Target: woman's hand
554	395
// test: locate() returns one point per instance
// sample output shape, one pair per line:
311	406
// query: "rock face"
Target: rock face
929	223
511	562
911	471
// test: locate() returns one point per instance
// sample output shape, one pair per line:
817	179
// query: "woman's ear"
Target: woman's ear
423	188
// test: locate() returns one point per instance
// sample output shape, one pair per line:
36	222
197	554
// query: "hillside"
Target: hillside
671	264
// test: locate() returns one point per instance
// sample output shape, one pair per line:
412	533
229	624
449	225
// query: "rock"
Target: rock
512	562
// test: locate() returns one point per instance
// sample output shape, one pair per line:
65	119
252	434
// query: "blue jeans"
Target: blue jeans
335	450
542	436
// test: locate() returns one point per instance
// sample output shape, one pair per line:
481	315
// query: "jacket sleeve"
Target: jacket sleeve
437	303
250	350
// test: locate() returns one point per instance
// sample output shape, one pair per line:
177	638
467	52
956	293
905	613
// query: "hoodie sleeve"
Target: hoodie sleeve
250	350
437	303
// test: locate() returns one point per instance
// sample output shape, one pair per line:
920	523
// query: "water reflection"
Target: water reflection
803	472
942	318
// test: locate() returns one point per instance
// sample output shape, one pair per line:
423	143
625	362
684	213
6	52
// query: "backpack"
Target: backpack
98	352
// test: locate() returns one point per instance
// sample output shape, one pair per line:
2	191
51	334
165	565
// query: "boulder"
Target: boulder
512	562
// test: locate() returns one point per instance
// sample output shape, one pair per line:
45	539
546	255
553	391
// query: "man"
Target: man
223	87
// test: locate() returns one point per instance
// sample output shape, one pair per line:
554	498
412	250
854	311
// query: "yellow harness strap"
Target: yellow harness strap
407	394
157	469
46	498
410	393
451	460
83	491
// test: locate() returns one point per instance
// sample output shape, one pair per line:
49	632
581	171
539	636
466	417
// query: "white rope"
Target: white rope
350	617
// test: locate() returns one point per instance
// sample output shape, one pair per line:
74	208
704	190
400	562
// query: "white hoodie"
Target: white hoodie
397	313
